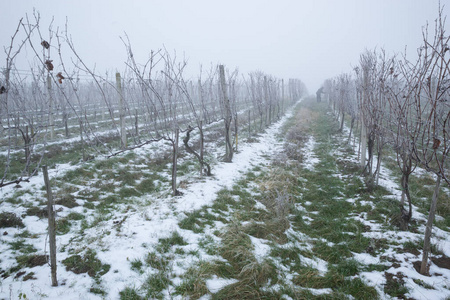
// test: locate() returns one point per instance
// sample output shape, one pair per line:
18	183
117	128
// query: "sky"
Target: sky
308	40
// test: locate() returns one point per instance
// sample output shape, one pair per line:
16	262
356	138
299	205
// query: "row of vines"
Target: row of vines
59	99
401	106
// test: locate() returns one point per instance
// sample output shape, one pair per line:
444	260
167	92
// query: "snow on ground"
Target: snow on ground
440	279
310	160
262	250
216	284
138	232
203	193
316	263
141	229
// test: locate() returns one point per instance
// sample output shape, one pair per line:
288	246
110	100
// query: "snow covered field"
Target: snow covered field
125	236
140	229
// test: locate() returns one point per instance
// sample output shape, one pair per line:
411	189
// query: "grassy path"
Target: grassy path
304	227
284	230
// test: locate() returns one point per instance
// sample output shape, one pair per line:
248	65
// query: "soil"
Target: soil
19	274
8	219
395	285
38	212
417	264
442	262
35	260
29	276
67	201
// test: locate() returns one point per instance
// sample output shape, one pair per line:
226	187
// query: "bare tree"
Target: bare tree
17	113
373	105
400	128
431	139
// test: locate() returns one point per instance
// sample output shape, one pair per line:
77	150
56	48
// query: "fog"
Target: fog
309	40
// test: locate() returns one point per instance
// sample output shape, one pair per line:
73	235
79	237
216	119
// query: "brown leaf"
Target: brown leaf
49	64
436	143
60	77
45	44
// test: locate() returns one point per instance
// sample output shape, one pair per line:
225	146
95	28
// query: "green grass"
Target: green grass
63	226
154	284
395	285
208	244
88	263
77	176
423	284
97	291
75	216
21	246
26	234
289	256
8	219
197	220
130	294
157	261
187	167
25	261
165	244
127	176
136	265
127	192
349	267
193	284
146	186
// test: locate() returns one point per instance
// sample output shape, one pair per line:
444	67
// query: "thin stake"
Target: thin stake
51	227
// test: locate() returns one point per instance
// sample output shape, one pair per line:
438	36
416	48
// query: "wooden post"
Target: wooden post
136	122
175	162
266	100
249	125
102	112
66	125
228	117
363	143
27	149
4	100
202	141
123	133
16	131
429	227
200	125
51	227
81	140
236	131
282	95
50	106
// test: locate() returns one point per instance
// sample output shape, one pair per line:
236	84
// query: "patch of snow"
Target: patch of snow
317	263
259	205
318	292
310	160
366	258
216	284
136	236
262	250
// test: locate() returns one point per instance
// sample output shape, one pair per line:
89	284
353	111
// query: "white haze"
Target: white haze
309	40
